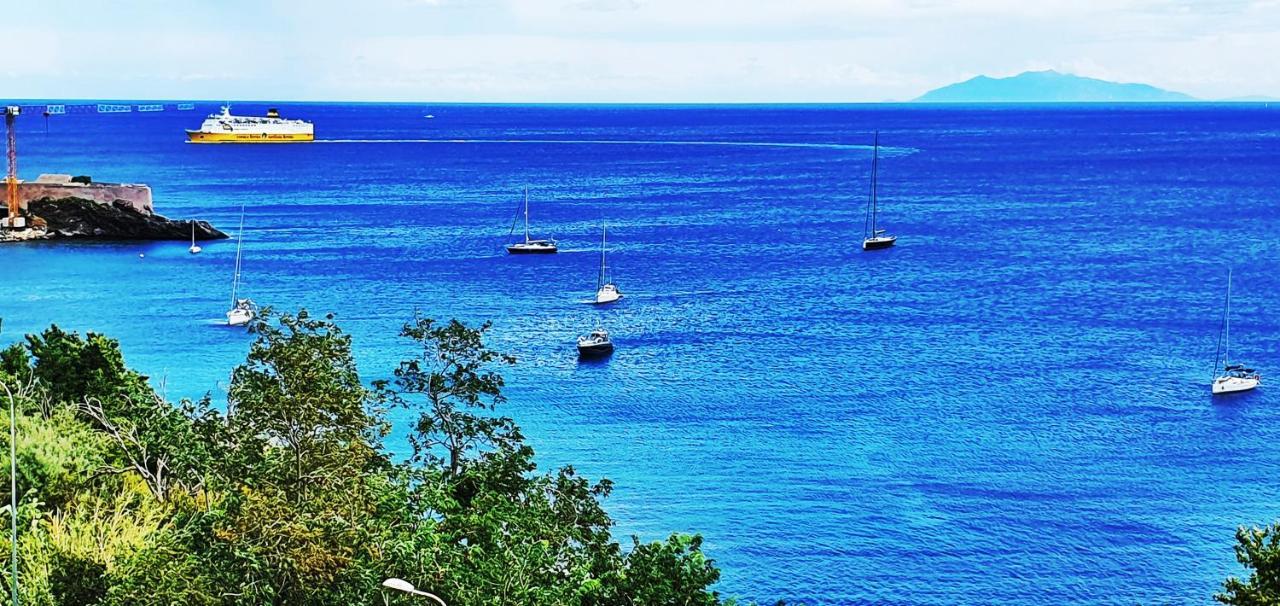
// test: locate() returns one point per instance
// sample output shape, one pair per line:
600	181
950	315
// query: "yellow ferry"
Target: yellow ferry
226	128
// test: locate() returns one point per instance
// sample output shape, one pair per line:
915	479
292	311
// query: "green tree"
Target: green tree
297	408
58	458
151	437
300	468
190	575
71	368
77	581
156	440
453	387
15	363
511	536
289	499
670	573
1258	549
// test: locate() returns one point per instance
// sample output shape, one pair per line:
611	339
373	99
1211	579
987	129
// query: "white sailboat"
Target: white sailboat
242	310
873	237
194	249
530	246
606	290
1234	377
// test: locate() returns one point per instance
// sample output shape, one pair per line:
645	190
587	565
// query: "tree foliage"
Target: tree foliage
1258	549
452	385
290	497
72	368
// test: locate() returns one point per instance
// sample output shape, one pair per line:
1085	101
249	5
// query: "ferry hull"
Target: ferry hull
203	137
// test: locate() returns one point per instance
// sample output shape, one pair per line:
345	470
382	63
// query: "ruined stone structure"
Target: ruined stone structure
57	187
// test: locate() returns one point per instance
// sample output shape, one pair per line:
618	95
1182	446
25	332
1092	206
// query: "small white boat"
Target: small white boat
879	240
875	238
242	310
530	246
607	294
606	290
596	344
1234	377
194	249
242	313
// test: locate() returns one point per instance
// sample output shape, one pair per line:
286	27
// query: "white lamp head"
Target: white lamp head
399	585
404	586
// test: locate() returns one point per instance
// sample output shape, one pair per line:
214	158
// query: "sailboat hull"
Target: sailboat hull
878	243
1225	385
239	317
607	295
531	249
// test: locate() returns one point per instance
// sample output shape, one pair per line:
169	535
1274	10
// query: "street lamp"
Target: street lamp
13	484
404	586
13	489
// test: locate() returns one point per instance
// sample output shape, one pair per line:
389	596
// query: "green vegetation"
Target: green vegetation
288	497
1258	549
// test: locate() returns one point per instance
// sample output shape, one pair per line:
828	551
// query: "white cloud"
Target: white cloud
627	50
606	5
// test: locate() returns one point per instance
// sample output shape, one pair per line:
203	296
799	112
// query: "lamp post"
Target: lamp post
13	491
404	586
13	486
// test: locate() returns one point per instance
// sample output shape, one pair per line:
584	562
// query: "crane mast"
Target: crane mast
14	220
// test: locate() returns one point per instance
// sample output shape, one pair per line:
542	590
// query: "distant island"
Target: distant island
1049	87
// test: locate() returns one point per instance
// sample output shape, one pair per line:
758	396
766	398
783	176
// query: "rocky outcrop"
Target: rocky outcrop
51	219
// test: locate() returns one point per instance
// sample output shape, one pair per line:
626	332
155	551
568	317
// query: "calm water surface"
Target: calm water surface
1009	407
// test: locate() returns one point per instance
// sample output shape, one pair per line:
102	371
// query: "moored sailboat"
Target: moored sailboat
606	290
194	249
875	238
530	246
1234	377
242	310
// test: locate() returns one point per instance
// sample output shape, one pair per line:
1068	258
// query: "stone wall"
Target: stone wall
135	195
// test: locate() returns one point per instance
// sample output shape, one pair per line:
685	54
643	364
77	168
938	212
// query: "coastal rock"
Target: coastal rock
52	219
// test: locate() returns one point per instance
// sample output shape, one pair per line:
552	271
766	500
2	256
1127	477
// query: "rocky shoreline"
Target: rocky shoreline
77	218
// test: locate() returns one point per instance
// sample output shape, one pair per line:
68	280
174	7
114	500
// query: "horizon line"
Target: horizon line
1191	101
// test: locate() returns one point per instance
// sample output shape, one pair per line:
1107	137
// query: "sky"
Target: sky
644	51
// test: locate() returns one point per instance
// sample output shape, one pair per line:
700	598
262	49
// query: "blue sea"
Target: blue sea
1011	406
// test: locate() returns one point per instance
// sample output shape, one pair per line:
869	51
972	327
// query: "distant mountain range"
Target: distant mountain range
1054	87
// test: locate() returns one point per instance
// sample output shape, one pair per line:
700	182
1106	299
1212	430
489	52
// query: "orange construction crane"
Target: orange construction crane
14	220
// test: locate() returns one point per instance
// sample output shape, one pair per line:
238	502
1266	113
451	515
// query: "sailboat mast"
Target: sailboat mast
603	238
235	280
526	214
1226	350
869	223
875	173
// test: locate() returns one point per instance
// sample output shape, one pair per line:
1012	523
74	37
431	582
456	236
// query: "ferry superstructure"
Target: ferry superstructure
226	128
